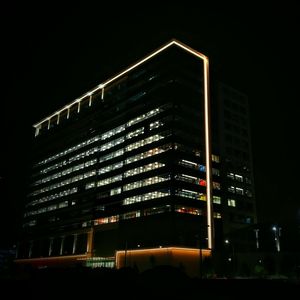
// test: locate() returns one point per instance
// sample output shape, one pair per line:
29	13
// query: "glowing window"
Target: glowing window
215	158
230	175
231	202
202	168
217	199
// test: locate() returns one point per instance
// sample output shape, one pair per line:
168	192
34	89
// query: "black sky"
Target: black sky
52	54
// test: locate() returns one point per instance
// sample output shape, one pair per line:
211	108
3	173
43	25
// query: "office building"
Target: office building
157	158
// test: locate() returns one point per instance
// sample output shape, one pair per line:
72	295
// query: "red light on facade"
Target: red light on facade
202	182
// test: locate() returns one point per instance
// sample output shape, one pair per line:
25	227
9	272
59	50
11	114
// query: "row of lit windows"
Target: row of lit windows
143	169
145	182
135	133
81	155
188	210
100	264
195	195
129	186
155	125
103	136
54	196
145	197
145	116
110	168
236	177
85	154
200	167
66	162
235	190
108	193
189	194
157	194
239	191
194	211
126	174
146	212
146	141
107	169
66	171
148	153
47	208
130	147
192	179
112	144
129	215
111	155
109	180
105	181
64	182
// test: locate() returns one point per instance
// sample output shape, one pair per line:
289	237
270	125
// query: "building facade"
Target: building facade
143	161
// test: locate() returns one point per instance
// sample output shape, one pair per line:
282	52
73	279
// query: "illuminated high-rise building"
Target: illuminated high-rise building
155	159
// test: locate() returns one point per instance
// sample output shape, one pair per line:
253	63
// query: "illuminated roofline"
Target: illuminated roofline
205	59
102	85
162	249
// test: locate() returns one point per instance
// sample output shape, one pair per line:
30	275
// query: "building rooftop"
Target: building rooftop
101	86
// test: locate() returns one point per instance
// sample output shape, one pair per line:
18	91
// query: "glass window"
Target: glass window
230	175
188	210
231	202
215	158
217	199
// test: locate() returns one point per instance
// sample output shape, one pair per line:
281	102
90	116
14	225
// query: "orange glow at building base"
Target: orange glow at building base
55	261
143	259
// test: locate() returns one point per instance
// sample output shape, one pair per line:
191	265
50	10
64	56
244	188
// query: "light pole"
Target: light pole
231	259
198	238
256	238
277	234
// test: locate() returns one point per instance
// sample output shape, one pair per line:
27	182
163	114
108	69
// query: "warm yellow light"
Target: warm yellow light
51	259
191	253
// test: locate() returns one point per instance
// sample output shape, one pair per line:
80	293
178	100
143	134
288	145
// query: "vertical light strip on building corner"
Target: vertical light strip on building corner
210	230
208	155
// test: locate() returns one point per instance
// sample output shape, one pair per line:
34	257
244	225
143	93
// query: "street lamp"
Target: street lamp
227	242
277	234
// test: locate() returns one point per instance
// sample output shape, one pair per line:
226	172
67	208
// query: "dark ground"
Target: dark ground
159	283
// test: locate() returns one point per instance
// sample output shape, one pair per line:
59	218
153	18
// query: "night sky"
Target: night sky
51	54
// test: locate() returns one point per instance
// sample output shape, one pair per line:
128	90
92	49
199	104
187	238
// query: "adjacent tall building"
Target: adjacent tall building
155	159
